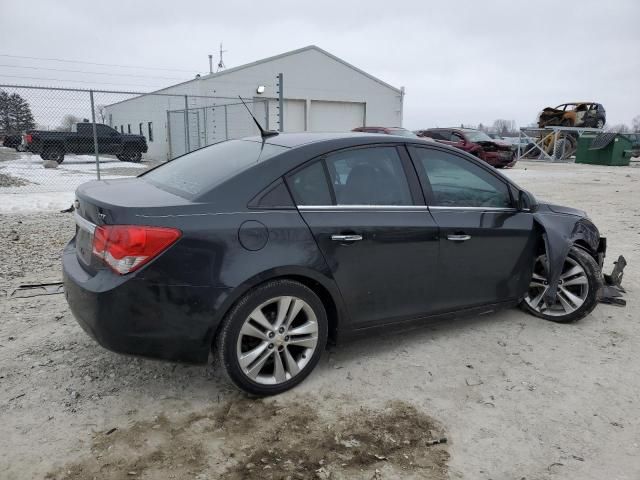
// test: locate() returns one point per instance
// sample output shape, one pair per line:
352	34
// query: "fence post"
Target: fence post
95	134
187	141
280	103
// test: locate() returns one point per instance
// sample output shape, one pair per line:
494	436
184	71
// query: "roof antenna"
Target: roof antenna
221	65
263	133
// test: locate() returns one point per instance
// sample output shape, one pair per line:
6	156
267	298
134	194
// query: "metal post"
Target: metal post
519	143
206	128
187	141
169	135
226	124
555	145
95	134
280	103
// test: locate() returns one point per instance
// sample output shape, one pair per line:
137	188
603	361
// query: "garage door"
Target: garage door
335	116
294	114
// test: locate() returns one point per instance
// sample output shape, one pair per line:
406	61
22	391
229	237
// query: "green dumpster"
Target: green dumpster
607	148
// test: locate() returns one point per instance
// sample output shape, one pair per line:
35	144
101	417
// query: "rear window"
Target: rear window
197	172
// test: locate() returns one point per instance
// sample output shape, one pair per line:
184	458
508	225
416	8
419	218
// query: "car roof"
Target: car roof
291	140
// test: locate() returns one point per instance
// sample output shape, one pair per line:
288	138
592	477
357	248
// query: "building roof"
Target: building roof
276	57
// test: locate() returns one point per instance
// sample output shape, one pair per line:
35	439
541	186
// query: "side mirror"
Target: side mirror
527	202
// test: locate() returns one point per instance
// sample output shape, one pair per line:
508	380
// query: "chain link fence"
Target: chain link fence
54	139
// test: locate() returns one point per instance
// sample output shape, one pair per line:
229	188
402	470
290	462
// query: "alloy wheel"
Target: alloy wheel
277	340
573	288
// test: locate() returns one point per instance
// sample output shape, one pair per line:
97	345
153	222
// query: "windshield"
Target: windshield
402	132
477	136
197	172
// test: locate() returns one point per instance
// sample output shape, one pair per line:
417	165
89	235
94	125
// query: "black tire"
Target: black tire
226	343
130	154
53	152
594	281
600	123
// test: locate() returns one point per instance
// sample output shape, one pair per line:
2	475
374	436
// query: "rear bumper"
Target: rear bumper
127	314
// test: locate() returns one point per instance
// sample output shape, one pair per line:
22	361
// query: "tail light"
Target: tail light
28	138
126	248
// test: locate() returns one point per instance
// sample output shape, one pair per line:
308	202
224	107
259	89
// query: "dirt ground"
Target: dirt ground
514	396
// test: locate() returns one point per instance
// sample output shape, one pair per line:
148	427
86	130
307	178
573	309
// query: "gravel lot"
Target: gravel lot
516	397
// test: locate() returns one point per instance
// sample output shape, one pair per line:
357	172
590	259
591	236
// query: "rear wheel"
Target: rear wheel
53	152
130	154
578	288
273	337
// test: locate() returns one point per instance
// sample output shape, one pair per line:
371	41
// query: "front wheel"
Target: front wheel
578	287
273	337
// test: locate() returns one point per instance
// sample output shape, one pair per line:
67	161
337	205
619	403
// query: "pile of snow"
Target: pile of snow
75	169
35	202
53	188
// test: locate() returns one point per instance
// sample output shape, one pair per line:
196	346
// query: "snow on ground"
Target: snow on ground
35	202
53	188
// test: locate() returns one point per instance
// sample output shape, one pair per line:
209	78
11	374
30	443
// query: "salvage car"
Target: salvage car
265	249
496	153
576	114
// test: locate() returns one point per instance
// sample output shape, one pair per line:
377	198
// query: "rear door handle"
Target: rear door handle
346	238
458	238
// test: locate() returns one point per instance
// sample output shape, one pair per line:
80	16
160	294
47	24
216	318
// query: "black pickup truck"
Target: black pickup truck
52	145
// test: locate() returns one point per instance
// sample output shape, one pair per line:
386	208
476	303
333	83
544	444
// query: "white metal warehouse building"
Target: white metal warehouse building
321	93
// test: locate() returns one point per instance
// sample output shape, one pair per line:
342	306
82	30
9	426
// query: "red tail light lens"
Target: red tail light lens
126	248
28	138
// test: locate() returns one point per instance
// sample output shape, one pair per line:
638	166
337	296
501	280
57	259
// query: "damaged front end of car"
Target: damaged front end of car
563	228
496	154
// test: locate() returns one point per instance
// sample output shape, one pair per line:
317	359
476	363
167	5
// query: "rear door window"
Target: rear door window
309	185
456	182
368	176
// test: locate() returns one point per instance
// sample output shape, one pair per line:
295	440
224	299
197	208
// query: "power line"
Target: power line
99	64
80	81
92	73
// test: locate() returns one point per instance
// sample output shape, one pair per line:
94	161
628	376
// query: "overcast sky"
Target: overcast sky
460	62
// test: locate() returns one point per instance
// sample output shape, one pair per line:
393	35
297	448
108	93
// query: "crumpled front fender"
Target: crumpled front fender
560	232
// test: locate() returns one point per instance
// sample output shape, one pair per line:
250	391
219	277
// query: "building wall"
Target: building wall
311	78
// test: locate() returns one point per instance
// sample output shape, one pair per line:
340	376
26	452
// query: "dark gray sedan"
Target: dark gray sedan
268	248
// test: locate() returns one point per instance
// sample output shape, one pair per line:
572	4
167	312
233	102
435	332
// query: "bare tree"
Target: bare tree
504	127
102	113
619	128
635	124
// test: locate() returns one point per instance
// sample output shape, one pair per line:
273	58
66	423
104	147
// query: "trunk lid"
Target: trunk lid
117	202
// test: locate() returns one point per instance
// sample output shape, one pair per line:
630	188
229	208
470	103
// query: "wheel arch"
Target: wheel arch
321	285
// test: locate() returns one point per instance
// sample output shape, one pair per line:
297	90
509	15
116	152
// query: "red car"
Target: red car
386	130
495	152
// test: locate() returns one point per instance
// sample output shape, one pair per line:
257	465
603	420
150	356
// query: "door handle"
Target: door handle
458	238
346	238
